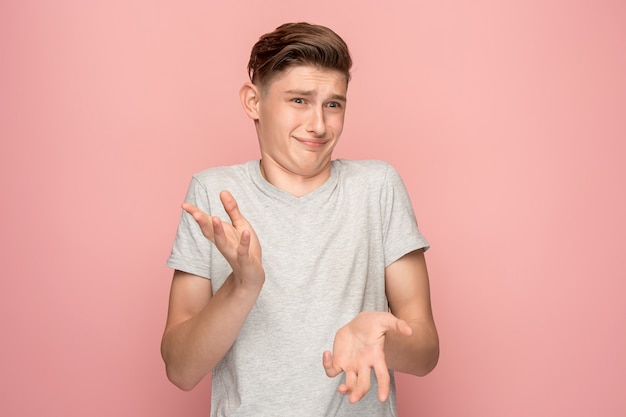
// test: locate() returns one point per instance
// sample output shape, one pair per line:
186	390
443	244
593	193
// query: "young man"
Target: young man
300	281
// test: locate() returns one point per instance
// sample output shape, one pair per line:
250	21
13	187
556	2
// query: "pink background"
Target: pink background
507	121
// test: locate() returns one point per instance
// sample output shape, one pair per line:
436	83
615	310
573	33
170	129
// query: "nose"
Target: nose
316	122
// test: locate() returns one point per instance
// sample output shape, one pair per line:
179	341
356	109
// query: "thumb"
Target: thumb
391	322
403	327
332	370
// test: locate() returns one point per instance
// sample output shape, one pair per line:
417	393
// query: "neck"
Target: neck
295	184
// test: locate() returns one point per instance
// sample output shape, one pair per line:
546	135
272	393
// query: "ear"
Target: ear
250	96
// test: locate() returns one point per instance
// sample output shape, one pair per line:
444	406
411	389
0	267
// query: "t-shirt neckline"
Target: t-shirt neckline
254	168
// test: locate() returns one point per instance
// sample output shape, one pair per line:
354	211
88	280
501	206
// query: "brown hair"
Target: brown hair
298	44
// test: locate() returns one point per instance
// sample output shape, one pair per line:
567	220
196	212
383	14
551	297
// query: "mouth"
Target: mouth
312	142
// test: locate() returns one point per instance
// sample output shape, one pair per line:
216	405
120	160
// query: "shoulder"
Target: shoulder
361	164
223	177
372	171
222	172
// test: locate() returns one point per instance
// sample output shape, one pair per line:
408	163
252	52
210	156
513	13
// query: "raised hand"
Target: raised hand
236	241
358	348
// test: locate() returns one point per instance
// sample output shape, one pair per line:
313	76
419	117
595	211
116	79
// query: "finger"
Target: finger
203	219
403	327
244	244
332	370
362	385
232	209
350	383
393	323
189	208
219	235
384	381
195	212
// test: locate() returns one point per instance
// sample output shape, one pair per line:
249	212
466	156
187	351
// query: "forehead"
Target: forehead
309	78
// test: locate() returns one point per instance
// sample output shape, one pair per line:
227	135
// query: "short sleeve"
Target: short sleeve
401	234
191	251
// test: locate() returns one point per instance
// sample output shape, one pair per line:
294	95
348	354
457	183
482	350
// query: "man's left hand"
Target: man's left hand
359	346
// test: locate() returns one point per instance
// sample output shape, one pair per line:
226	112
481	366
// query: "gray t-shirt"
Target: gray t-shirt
324	256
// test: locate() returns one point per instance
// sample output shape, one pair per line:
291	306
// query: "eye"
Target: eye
298	100
334	105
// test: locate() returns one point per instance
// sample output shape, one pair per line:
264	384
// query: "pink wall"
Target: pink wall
508	123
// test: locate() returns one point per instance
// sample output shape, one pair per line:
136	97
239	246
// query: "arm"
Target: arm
202	326
404	339
408	293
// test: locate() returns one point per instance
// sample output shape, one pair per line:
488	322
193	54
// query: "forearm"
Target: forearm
408	292
416	354
193	347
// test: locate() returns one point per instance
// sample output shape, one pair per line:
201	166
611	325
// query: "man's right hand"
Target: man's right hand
202	324
236	241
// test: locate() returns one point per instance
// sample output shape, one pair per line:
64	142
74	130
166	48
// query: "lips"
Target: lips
314	143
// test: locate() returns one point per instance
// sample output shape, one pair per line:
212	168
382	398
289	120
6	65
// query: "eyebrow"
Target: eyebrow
308	93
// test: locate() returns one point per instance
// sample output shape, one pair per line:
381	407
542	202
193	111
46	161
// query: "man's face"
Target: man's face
300	119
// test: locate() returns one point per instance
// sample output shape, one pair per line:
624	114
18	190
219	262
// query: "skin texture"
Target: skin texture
202	326
403	340
299	118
